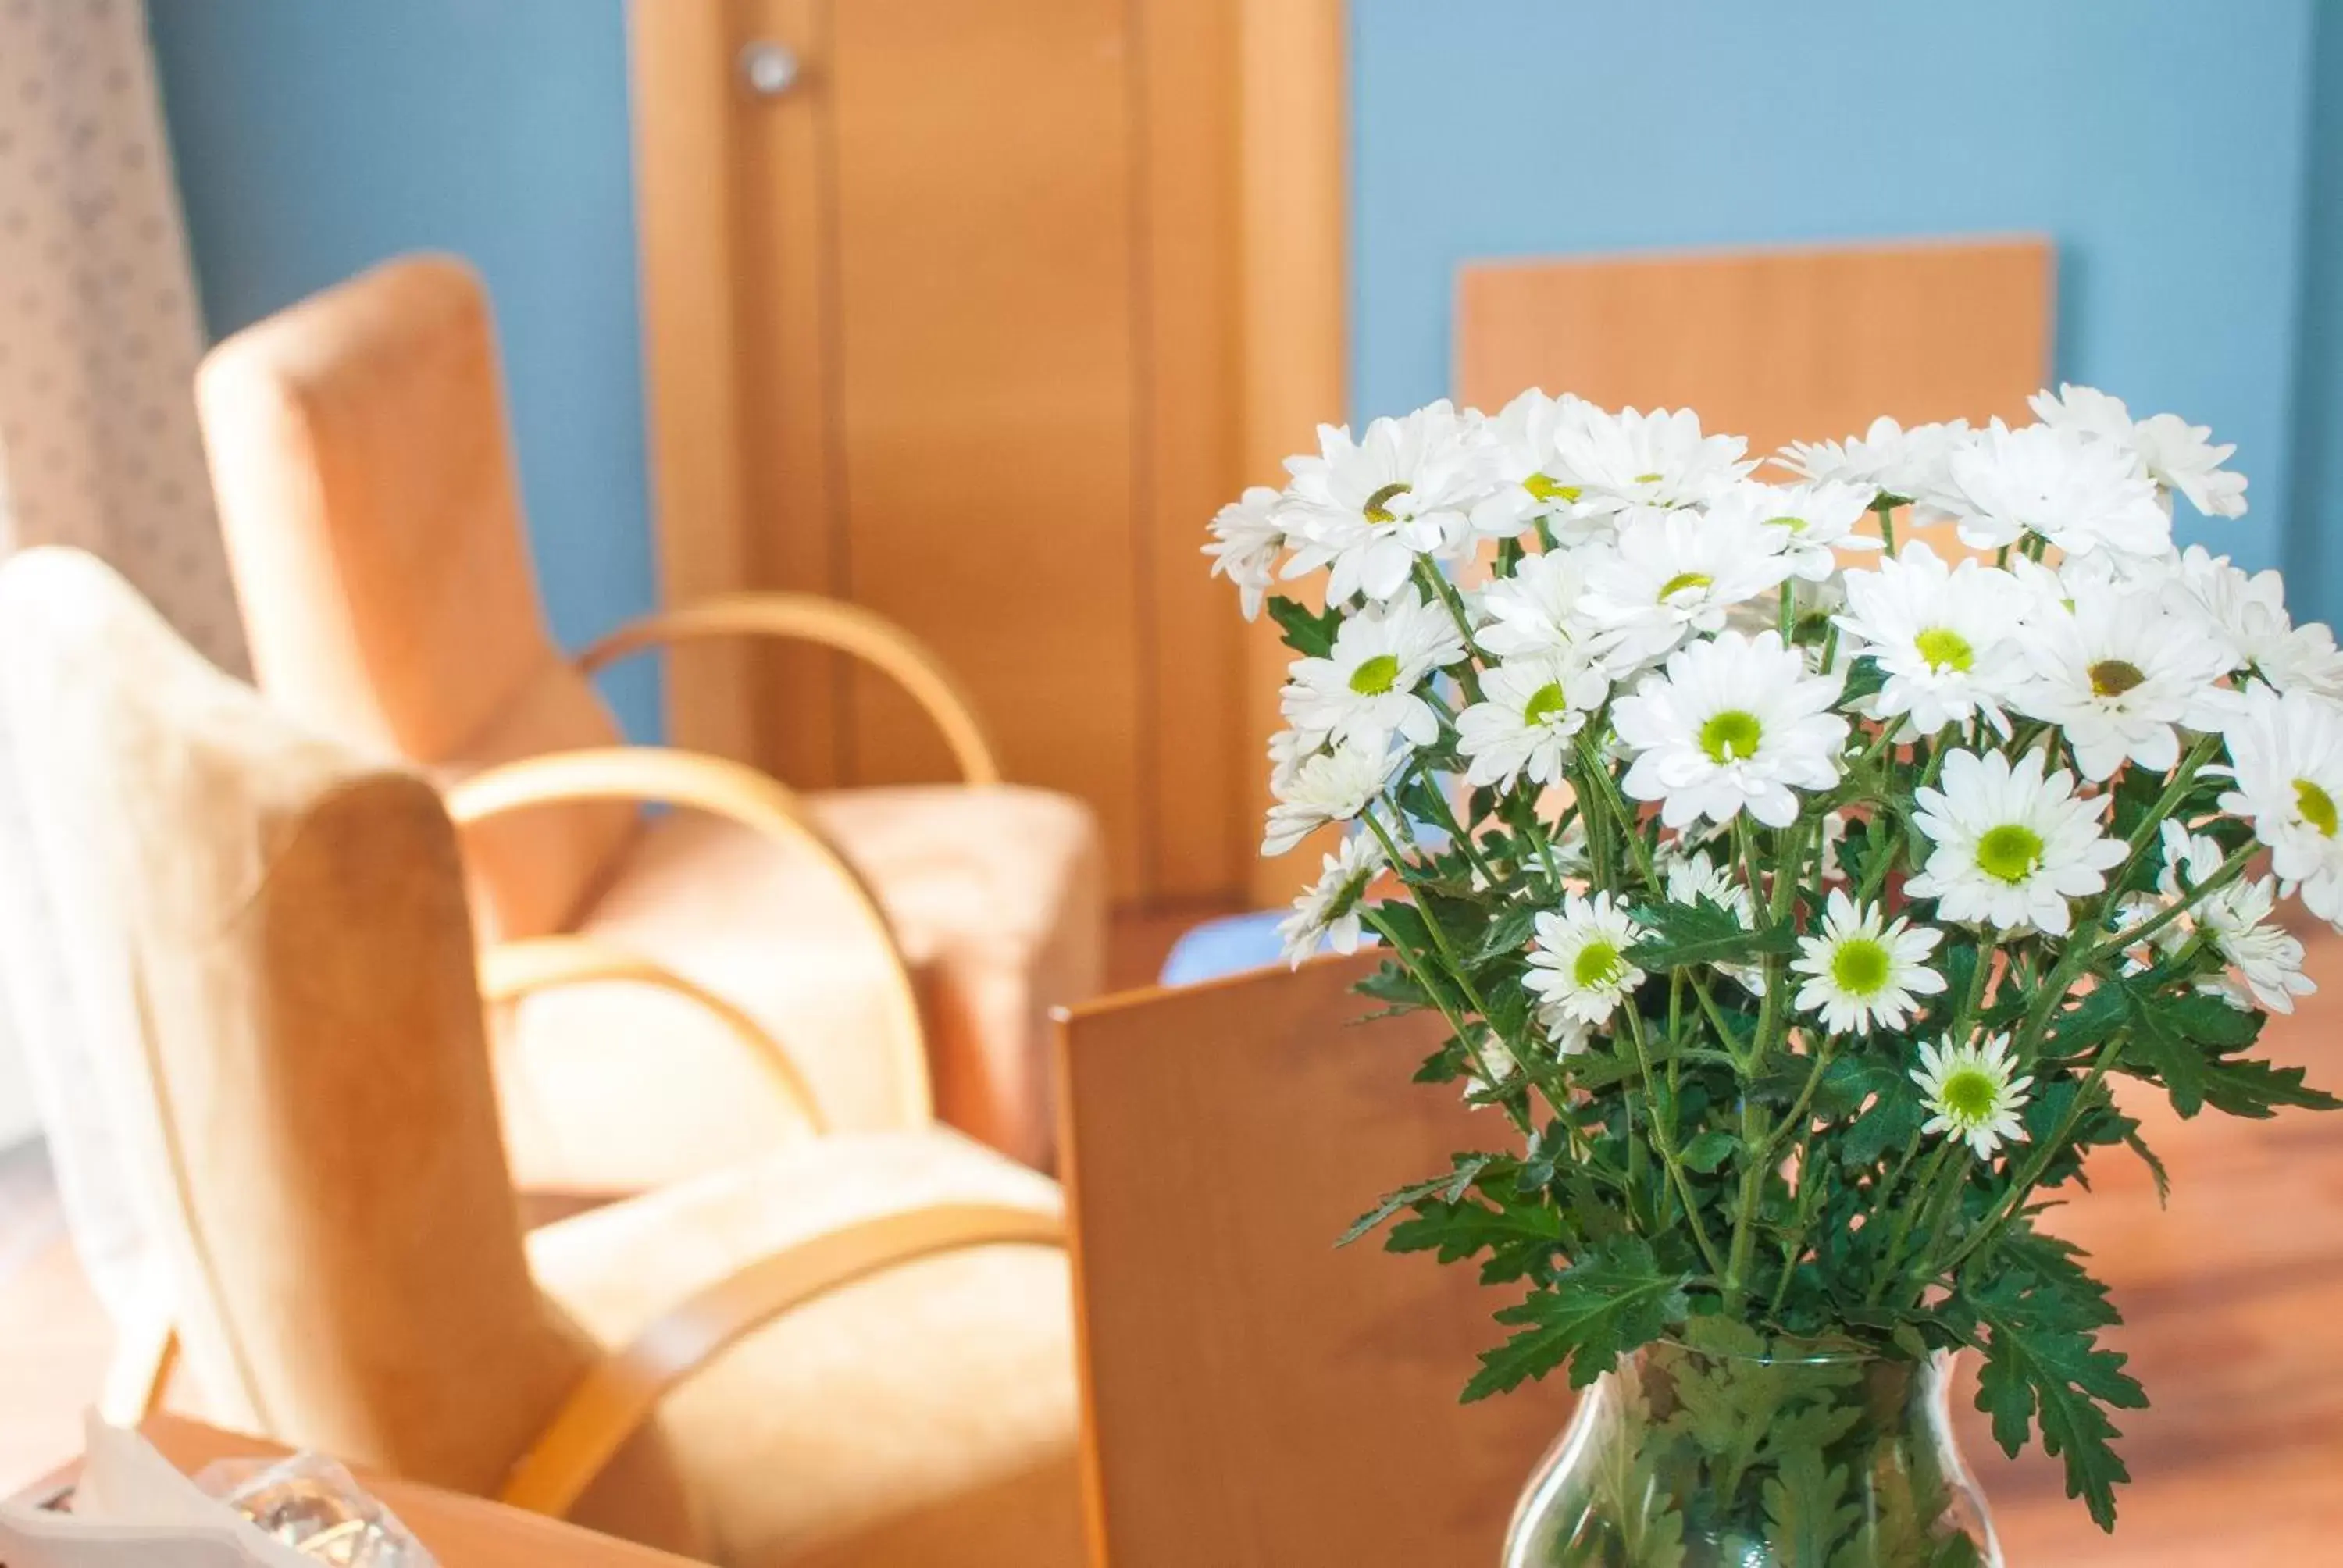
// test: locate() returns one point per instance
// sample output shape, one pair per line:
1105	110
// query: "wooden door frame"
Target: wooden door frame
1292	191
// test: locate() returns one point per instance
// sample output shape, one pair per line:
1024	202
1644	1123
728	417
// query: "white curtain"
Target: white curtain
99	336
99	331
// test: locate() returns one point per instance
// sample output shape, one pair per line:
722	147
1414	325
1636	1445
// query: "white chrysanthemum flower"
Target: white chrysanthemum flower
1946	638
1734	723
1531	711
1535	611
1971	1093
1819	518
2011	846
1578	962
1864	970
1886	460
2248	612
1371	508
1499	1060
2286	756
2176	455
1367	686
2235	923
1691	876
2120	675
1318	788
1524	442
1247	539
1676	573
1619	461
2079	494
1327	912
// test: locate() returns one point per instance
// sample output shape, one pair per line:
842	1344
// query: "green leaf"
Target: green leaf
1521	1233
1806	1509
1392	982
2147	1156
1708	1150
2044	1367
1610	1300
1678	935
1506	934
1312	634
2157	1041
2256	1088
1451	1187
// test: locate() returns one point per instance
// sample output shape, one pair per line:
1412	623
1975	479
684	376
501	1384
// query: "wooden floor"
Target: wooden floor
2235	1297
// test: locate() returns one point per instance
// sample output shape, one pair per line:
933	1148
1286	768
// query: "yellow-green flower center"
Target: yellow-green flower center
1945	649
1376	676
1378	506
2316	807
1796	525
1860	966
1682	581
1731	736
1597	965
2113	677
2010	852
1546	489
1969	1095
1649	479
1544	703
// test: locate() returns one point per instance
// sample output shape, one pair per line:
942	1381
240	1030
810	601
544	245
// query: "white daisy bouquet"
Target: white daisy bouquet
1797	860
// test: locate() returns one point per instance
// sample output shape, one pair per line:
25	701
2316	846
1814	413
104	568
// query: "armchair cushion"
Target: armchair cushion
1000	892
925	1413
614	1088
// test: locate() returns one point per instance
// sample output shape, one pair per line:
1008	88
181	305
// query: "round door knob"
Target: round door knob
770	69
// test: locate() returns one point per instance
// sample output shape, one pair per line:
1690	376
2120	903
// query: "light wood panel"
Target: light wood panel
986	405
1294	66
1797	343
681	60
1254	1396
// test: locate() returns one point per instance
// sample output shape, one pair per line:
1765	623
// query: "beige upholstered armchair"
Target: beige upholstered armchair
359	446
855	1351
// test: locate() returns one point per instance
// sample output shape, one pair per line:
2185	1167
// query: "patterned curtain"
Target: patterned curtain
99	332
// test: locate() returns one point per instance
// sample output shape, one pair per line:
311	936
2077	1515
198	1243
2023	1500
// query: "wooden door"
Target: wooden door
978	281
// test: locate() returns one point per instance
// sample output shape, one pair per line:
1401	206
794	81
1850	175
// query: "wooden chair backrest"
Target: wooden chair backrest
1793	344
1253	1397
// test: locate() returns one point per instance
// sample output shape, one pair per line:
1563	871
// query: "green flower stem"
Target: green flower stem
1520	1116
1605	789
1900	1229
1886	515
1436	583
1664	1141
1455	829
2150	825
2022	1188
1793	1127
1525	822
1753	1134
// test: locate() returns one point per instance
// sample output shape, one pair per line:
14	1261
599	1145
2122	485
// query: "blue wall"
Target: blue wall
2315	539
2161	145
315	139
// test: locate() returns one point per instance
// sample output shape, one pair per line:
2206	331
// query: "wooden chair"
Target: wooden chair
854	1351
1253	1397
1797	343
373	522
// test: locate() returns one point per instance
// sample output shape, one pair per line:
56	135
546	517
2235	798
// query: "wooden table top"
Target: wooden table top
461	1532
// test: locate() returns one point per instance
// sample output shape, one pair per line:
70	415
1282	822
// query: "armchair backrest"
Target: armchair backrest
1218	1139
268	939
368	496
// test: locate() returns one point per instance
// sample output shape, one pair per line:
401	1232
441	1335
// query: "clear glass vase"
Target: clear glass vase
1791	1456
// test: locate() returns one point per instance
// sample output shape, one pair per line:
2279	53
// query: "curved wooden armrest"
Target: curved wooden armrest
724	788
851	628
511	970
620	1392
